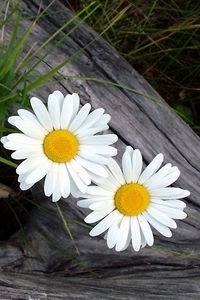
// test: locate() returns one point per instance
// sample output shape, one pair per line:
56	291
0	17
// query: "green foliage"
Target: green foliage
15	67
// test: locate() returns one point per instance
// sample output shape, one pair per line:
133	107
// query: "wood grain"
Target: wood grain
132	286
170	269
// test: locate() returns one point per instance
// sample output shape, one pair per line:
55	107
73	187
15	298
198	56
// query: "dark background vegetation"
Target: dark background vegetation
161	40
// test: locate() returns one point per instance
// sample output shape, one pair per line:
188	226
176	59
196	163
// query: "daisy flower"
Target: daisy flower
131	201
60	143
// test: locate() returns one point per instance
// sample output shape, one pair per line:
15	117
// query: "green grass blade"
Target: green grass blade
38	82
104	81
55	46
66	226
9	16
54	35
7	162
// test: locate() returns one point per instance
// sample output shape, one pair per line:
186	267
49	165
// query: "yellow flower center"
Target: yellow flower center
60	146
131	199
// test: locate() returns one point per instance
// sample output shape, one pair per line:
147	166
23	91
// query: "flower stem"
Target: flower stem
62	217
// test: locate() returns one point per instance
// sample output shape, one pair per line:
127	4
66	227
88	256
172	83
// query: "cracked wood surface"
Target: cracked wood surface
45	260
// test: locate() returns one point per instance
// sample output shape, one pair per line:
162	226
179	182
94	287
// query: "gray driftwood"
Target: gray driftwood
44	263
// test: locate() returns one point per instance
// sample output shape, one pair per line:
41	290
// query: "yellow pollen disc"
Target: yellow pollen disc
60	146
131	199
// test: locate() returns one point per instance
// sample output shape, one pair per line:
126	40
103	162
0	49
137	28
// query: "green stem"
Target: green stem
8	162
62	217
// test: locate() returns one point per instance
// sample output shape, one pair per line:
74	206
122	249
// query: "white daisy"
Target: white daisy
60	144
130	201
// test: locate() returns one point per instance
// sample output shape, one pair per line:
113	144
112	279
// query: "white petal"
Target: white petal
100	125
26	153
113	180
105	139
4	139
23	139
161	217
92	167
100	205
123	233
67	112
76	103
167	180
128	240
99	159
151	168
18	146
51	179
24	186
113	232
104	120
98	191
32	129
22	177
41	113
63	180
60	98
27	115
170	211
183	194
30	164
146	229
136	165
129	150
96	178
103	150
127	167
81	172
158	175
56	195
91	131
12	146
169	193
100	181
91	119
143	240
164	230
107	184
135	232
87	202
54	109
95	216
105	223
39	172
116	171
172	170
13	119
172	203
75	192
77	180
80	117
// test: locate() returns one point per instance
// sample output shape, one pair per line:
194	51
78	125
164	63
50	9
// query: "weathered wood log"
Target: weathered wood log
168	270
164	284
